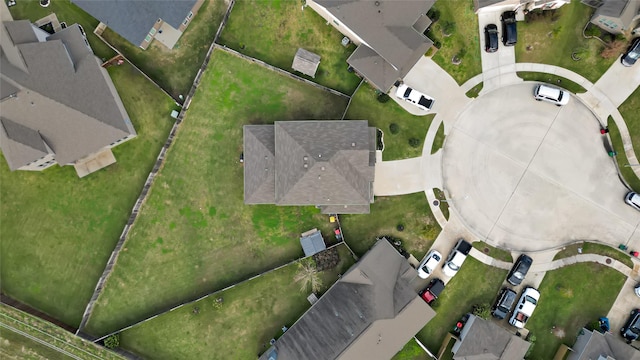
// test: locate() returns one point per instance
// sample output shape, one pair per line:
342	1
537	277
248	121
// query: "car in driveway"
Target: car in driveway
633	199
504	303
432	291
457	256
631	329
491	38
429	264
519	270
525	307
551	94
509	30
414	97
633	53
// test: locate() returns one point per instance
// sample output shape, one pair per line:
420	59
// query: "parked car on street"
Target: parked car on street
432	291
631	329
429	264
457	256
491	38
519	270
504	303
633	199
509	30
551	94
633	53
415	97
637	290
525	307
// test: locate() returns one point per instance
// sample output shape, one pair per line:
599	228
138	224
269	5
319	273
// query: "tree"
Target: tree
482	311
308	276
112	341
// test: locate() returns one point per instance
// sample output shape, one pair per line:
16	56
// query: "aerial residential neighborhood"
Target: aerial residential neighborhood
320	179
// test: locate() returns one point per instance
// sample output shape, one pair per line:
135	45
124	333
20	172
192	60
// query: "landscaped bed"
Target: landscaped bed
58	230
494	252
194	234
571	297
278	28
551	79
238	327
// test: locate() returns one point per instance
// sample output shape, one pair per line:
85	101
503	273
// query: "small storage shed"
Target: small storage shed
312	242
306	62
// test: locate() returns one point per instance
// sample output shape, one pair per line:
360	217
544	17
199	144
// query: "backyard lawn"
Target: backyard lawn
58	230
456	30
412	211
365	106
476	283
278	28
175	69
411	351
194	234
571	297
552	38
239	328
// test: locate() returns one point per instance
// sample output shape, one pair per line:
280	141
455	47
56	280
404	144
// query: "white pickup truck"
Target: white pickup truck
524	308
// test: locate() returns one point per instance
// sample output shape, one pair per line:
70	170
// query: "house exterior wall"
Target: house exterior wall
336	23
152	33
608	23
190	15
44	162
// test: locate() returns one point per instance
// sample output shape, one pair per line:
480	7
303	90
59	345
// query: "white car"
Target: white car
637	290
415	97
633	199
525	307
457	256
551	94
429	264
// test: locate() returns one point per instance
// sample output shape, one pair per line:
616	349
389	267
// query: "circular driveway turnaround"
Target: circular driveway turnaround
528	175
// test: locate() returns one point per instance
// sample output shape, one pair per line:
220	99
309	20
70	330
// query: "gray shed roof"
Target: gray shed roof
592	344
60	92
312	243
387	28
370	313
306	62
133	19
482	339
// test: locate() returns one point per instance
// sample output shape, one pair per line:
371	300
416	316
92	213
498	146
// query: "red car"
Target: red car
432	291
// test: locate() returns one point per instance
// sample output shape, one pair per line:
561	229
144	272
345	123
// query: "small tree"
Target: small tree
482	311
394	128
308	276
383	98
112	341
414	142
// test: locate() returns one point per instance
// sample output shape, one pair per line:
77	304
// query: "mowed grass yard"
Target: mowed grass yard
273	30
58	230
571	297
194	234
552	38
365	106
174	69
412	211
250	315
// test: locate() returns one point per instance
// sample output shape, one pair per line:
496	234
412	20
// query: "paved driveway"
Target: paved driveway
619	82
526	175
498	69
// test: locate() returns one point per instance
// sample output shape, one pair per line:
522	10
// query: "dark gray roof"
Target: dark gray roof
62	92
479	4
482	339
133	19
306	62
312	243
592	345
370	313
20	144
387	28
322	163
621	10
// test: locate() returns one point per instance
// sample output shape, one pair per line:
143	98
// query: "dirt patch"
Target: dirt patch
558	332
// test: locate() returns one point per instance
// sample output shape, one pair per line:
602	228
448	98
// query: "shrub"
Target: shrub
437	44
613	49
433	14
112	341
394	128
482	311
383	98
592	30
414	142
448	28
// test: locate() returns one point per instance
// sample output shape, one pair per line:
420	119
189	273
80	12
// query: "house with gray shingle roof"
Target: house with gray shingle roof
389	34
57	104
329	164
483	339
141	21
616	16
595	345
370	313
520	6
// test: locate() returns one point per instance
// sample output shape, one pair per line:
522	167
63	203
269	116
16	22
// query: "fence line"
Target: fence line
351	98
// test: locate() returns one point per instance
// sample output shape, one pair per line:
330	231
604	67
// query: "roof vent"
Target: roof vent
377	3
319	155
305	165
322	168
305	158
353	144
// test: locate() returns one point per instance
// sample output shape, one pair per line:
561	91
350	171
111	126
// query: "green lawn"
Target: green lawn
250	315
194	234
594	248
554	36
458	19
571	297
444	205
621	158
16	346
365	106
67	12
58	230
551	79
438	140
495	253
412	211
175	69
630	111
476	283
475	91
411	351
273	30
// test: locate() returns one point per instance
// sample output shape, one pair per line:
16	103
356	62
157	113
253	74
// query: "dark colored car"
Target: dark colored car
491	38
509	31
631	330
504	303
629	58
432	291
519	270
